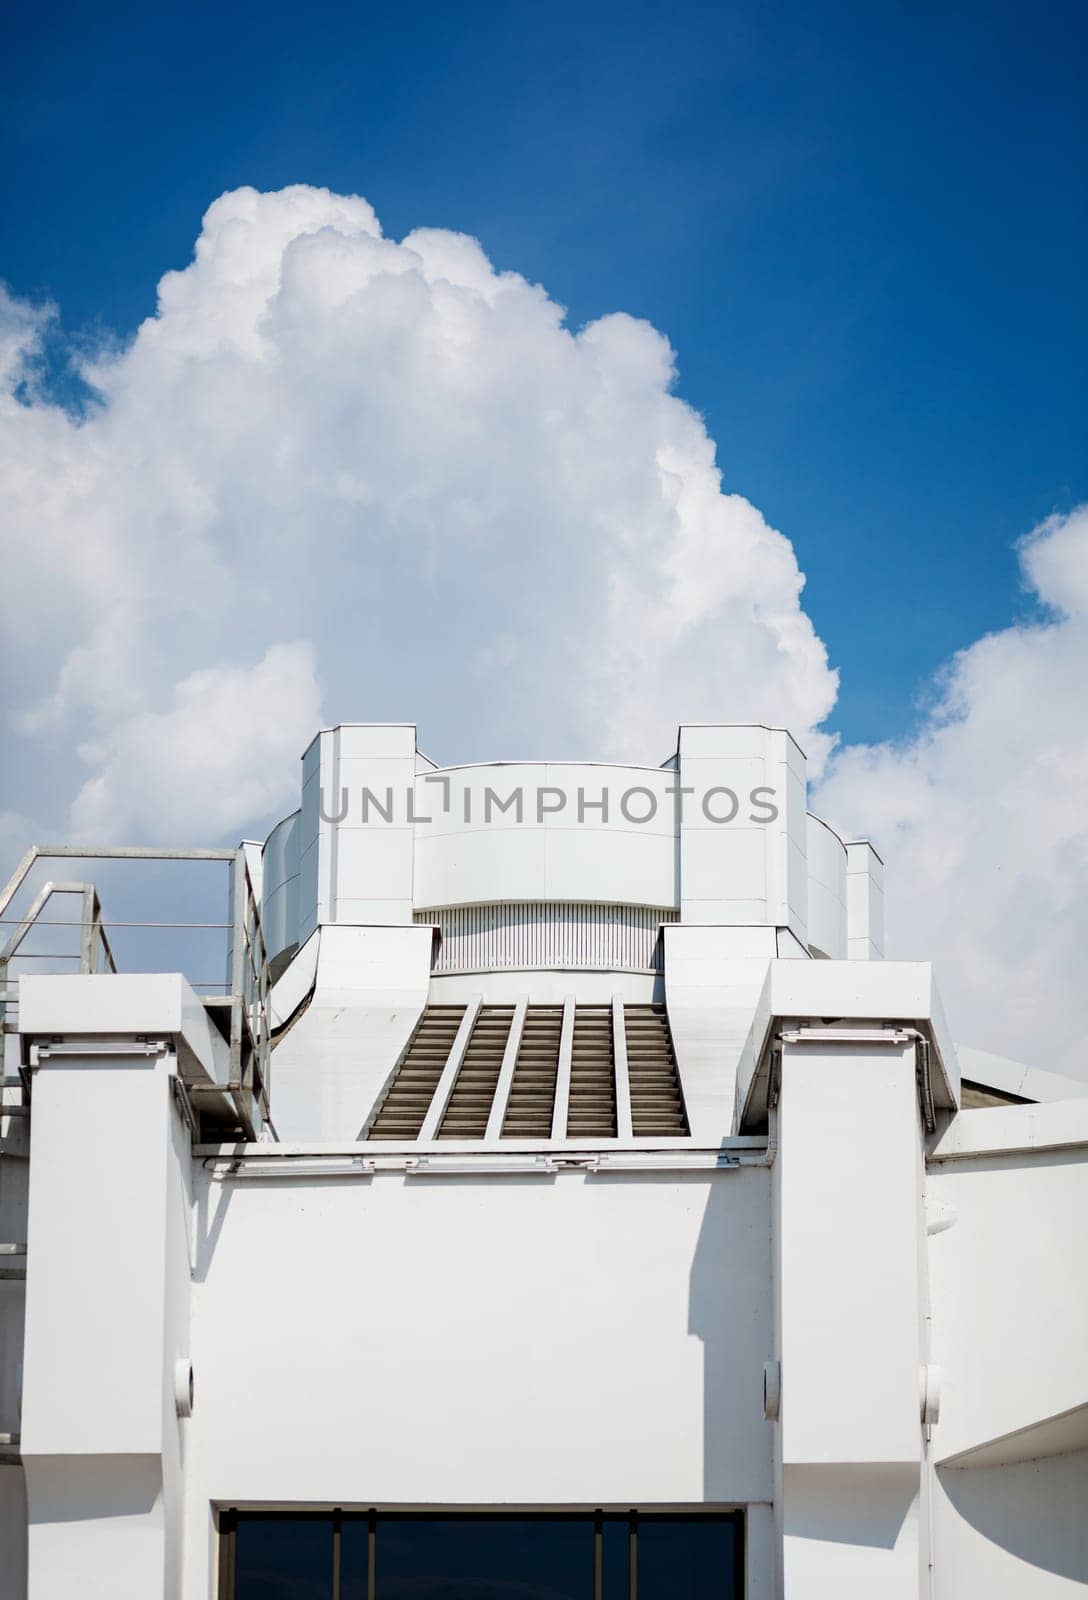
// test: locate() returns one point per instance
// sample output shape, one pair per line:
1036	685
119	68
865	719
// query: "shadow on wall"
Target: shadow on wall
13	1528
85	1488
828	1504
729	1310
1033	1510
213	1196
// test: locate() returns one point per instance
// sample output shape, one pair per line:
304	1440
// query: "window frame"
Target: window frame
227	1517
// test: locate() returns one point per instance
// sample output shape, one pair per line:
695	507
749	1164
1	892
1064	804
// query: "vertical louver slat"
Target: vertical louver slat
532	1092
469	1104
657	1101
401	1113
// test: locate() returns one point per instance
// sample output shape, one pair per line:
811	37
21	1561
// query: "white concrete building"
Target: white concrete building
564	1200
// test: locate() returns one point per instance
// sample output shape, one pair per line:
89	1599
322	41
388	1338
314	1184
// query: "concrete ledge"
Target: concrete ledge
1013	1130
1050	1436
901	992
157	1005
1014	1077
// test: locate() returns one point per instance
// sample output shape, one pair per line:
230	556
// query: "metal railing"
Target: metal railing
248	1021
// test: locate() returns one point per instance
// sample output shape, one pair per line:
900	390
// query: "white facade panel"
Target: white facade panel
618	1323
483	865
850	1358
371	864
1010	1315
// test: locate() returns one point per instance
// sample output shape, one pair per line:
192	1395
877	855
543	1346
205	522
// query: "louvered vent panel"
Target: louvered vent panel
657	1102
469	1104
405	1105
591	1110
585	934
532	1092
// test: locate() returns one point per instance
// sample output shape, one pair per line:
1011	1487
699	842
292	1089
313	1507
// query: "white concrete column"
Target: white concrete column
751	868
107	1320
849	1255
864	902
356	833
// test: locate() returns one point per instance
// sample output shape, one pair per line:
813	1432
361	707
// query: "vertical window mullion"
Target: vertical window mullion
226	1555
337	1550
371	1554
598	1555
632	1557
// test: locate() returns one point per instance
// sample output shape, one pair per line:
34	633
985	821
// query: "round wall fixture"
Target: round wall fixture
183	1386
772	1390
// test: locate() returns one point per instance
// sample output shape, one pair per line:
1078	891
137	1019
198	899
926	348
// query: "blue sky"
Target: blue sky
862	228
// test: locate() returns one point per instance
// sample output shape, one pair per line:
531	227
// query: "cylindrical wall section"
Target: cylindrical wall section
279	910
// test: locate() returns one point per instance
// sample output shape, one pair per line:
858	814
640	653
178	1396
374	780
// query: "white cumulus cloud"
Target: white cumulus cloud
507	530
983	820
226	748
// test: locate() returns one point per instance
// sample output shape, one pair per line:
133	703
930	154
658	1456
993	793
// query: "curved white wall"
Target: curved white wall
572	852
279	907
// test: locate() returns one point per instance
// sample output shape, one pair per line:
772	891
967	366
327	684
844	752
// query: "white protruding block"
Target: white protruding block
864	902
752	868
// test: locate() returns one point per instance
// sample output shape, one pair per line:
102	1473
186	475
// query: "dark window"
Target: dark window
283	1558
397	1556
484	1558
682	1558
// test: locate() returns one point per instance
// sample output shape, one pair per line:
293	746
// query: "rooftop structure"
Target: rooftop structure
557	1193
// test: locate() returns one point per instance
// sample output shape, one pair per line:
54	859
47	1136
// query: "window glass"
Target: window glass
686	1558
283	1558
484	1558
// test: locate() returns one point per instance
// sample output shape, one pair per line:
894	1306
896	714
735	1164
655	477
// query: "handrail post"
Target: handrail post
87	931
